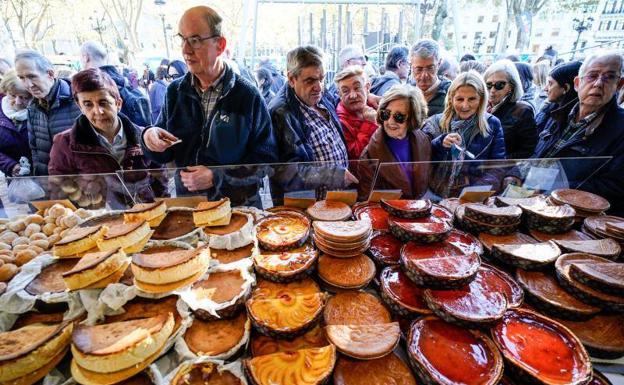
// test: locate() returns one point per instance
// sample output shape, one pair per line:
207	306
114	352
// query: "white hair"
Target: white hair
95	51
425	49
349	52
513	77
602	55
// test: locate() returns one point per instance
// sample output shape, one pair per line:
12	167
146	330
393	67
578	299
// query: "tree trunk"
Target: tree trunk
503	32
438	20
524	25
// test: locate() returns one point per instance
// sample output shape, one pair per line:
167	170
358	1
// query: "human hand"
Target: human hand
451	139
197	178
370	114
158	140
373	101
350	179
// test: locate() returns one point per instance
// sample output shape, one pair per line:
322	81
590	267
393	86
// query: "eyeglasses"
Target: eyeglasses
172	76
194	41
604	78
497	85
430	70
385	115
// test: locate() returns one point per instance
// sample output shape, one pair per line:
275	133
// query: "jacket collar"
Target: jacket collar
185	84
84	138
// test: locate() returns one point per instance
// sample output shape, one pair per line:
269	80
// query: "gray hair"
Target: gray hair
96	51
426	48
540	73
303	57
349	52
602	55
349	72
396	55
513	77
41	62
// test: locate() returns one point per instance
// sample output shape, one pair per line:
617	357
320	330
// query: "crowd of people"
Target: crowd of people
210	111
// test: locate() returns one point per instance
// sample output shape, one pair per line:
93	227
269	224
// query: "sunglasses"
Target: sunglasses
497	85
385	115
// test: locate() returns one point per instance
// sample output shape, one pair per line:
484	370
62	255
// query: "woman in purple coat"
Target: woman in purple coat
13	116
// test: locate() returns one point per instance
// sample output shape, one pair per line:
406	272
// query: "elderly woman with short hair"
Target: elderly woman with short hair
464	125
402	111
517	118
13	117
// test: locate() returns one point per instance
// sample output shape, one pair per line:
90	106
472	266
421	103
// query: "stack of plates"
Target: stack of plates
605	226
343	239
478	218
586	204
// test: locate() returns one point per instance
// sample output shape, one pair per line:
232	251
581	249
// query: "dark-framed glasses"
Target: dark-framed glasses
194	41
385	115
607	78
497	85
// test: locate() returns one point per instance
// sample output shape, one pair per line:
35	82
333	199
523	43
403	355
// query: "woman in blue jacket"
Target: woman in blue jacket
464	131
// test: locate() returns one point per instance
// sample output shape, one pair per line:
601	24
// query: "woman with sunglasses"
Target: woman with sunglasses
176	69
402	111
464	131
517	117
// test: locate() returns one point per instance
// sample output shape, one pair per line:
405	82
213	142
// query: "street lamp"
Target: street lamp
580	26
160	4
478	42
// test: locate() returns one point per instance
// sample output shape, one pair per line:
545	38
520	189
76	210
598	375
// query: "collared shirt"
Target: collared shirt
324	137
577	130
118	148
210	95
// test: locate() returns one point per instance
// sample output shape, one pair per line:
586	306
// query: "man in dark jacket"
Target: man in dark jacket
135	106
305	120
425	61
219	117
52	110
397	70
593	127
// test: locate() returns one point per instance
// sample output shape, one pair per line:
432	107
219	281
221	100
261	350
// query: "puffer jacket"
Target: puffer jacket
44	125
436	104
383	83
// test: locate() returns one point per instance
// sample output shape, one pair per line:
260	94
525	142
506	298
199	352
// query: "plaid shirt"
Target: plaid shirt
324	136
210	95
576	130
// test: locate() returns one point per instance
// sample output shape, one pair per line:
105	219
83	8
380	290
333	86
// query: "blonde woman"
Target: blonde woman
464	125
540	79
399	140
13	117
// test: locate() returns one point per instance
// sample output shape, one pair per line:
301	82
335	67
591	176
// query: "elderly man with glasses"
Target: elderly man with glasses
592	127
211	116
425	62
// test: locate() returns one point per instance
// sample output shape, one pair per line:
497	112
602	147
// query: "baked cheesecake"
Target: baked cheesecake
153	213
131	237
79	240
164	271
216	213
97	270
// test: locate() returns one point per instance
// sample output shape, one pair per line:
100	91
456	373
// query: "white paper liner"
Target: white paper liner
185	353
212	307
55	377
244	236
16	300
236	368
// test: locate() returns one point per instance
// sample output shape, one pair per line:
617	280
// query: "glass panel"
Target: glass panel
94	191
262	185
448	179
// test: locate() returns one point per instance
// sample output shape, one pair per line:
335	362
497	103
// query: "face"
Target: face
393	128
424	71
308	85
101	108
554	90
599	83
204	58
36	82
498	79
353	93
19	101
466	102
403	69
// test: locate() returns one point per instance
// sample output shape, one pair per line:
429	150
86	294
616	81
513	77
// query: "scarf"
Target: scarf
12	113
492	109
430	93
467	129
